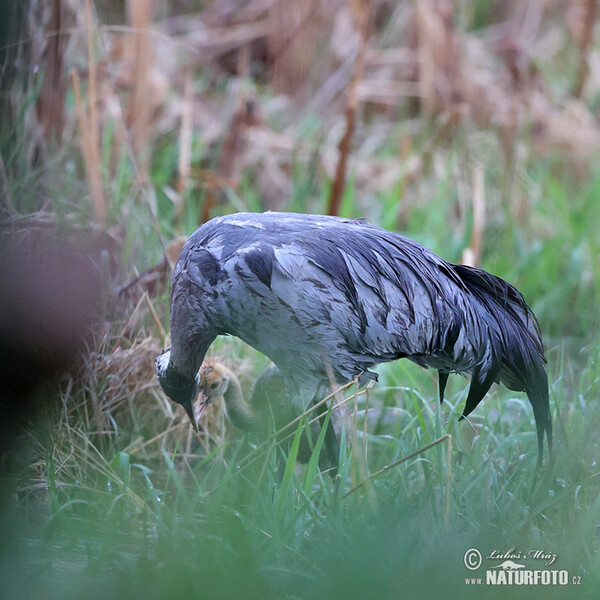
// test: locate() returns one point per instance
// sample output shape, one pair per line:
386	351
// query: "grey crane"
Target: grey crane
323	295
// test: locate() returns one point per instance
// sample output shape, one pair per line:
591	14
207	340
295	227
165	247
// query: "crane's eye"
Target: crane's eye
214	385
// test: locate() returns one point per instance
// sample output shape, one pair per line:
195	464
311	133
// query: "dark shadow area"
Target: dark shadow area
49	299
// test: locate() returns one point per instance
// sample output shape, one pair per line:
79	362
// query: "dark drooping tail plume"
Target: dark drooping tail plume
516	355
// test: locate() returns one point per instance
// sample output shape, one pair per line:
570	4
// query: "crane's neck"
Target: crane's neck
239	411
188	352
191	334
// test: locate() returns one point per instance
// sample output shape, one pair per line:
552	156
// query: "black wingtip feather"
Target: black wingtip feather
481	381
518	351
443	380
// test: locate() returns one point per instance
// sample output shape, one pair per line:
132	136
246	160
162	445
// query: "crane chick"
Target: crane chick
269	408
219	383
325	296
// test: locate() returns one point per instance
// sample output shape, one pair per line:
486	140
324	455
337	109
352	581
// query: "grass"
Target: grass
111	496
114	522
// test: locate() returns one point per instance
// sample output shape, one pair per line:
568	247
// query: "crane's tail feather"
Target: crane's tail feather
516	353
537	392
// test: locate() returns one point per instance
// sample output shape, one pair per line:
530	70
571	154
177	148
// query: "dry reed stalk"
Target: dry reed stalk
243	63
51	101
472	255
362	15
403	208
125	134
584	41
138	444
65	397
440	76
90	154
154	315
213	41
153	280
245	116
97	412
129	324
478	211
92	94
140	112
98	200
285	71
426	76
185	143
287	43
230	148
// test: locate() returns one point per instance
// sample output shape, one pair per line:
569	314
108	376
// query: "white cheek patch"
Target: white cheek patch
162	361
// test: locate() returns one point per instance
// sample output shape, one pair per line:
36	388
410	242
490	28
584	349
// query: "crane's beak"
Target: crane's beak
189	409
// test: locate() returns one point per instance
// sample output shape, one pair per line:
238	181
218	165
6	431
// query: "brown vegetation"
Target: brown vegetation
384	64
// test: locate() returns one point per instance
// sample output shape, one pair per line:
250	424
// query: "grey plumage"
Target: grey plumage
321	294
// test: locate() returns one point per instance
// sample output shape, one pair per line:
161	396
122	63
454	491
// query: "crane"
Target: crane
326	297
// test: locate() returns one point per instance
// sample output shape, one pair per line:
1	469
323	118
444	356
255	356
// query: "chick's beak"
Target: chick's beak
201	403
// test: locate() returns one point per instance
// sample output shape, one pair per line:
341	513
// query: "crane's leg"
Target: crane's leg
330	461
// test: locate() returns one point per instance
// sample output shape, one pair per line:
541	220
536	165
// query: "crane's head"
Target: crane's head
177	387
